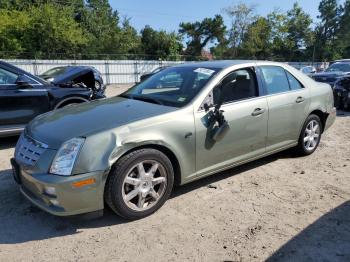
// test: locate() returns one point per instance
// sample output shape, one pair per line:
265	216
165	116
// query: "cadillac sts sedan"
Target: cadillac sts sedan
181	124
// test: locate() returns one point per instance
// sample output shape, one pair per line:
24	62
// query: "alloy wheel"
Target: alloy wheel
144	185
312	135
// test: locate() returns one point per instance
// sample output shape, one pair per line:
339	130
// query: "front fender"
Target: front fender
100	151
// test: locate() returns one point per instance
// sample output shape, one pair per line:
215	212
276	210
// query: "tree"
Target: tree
53	30
160	44
343	34
279	33
299	32
13	26
199	34
40	31
326	30
241	16
256	42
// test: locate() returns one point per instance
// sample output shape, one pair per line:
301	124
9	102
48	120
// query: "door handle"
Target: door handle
258	111
300	99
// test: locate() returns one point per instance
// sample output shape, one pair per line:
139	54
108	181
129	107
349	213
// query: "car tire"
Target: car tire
310	136
139	183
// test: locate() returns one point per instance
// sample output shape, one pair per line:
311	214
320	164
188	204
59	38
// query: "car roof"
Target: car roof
21	71
222	64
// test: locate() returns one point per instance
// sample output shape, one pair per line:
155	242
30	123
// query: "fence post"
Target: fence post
108	81
136	71
35	68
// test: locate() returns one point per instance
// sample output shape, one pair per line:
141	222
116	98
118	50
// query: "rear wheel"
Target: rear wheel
139	183
310	135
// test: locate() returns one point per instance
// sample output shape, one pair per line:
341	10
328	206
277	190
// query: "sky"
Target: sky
167	14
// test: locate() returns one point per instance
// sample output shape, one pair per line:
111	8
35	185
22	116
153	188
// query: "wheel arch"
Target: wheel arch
70	100
166	151
322	115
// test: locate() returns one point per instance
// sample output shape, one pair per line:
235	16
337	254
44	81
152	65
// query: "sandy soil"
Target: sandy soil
280	208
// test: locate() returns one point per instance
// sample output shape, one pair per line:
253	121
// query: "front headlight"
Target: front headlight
65	158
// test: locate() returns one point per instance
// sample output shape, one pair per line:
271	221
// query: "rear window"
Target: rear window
275	79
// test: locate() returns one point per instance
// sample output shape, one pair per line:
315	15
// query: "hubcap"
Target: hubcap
144	185
312	135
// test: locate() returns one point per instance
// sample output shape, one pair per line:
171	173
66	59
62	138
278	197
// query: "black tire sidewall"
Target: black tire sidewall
119	173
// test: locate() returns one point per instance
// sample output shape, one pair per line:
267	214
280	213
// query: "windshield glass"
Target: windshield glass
54	71
339	67
175	86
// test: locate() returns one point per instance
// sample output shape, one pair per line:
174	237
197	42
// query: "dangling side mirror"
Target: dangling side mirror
22	82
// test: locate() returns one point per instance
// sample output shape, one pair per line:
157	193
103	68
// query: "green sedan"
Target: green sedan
179	125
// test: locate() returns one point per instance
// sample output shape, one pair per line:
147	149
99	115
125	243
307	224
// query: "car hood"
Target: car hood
81	120
75	74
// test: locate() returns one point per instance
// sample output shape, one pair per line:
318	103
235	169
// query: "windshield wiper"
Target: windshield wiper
143	98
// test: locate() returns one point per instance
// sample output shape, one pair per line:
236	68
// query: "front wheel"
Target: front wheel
310	136
139	183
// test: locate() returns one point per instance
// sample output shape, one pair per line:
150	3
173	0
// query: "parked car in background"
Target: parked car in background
57	74
340	60
308	70
341	92
159	69
129	151
23	96
333	73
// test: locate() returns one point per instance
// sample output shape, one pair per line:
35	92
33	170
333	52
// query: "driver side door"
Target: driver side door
247	115
20	103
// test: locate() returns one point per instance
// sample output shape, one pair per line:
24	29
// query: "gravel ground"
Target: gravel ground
280	208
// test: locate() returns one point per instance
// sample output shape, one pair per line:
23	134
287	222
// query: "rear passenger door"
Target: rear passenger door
288	102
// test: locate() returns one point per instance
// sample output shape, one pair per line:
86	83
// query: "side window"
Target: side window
238	85
293	82
7	77
275	79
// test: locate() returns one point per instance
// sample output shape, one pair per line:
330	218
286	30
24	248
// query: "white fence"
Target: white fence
113	71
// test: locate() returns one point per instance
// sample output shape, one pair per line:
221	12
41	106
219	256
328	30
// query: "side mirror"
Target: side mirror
215	121
22	81
220	131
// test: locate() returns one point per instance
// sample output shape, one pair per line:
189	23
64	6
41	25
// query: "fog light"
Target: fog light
49	190
55	202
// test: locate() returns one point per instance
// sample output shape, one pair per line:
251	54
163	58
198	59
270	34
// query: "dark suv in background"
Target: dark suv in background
333	73
23	96
54	74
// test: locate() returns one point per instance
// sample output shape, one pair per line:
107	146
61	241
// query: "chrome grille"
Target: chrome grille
28	151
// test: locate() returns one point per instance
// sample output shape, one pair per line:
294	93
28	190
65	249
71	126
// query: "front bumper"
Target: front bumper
331	118
68	199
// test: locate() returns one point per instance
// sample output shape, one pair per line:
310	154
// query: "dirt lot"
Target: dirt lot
279	208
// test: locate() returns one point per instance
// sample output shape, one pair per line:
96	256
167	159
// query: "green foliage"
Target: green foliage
326	30
75	29
343	35
256	41
160	44
299	32
199	34
91	29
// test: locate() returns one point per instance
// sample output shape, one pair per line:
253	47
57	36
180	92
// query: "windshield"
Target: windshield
54	71
175	86
339	67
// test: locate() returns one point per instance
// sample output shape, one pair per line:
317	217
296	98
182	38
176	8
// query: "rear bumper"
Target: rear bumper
331	118
67	199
